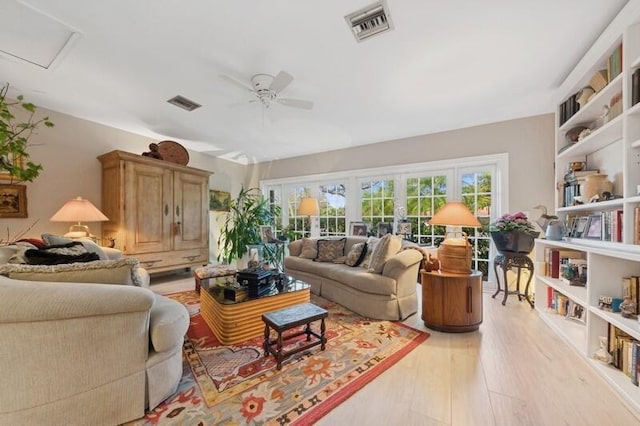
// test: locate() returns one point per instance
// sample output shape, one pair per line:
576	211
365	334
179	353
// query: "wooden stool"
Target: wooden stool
508	261
286	319
223	274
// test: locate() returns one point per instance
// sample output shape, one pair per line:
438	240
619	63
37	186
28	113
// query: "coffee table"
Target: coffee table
237	321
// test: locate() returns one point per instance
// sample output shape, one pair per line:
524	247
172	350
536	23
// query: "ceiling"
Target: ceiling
444	65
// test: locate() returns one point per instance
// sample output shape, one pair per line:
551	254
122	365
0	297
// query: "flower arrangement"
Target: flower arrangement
512	222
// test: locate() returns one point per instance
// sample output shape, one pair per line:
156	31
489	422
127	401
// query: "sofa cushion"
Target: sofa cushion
122	271
88	244
357	254
387	247
372	242
295	248
330	249
168	323
309	248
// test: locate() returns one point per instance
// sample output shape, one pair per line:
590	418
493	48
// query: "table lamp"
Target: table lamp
454	252
78	210
309	207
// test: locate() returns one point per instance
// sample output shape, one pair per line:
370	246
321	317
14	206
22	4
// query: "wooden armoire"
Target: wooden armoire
158	211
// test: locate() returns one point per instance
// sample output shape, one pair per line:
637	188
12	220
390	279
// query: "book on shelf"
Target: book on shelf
620	345
614	63
635	87
615	106
636	225
631	289
554	257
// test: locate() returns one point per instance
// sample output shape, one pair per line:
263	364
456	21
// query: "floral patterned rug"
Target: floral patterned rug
232	385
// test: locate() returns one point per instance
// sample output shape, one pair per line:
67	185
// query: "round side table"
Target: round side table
508	261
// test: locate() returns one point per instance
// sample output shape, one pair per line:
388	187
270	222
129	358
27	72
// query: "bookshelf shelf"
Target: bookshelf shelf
619	382
578	294
630	326
594	108
600	138
634	110
602	205
571	331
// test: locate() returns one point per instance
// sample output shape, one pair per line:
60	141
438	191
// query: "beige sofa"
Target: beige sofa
390	295
85	353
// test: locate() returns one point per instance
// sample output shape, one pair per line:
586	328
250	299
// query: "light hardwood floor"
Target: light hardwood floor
513	371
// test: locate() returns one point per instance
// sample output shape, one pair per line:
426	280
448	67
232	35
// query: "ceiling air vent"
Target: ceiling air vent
369	21
184	103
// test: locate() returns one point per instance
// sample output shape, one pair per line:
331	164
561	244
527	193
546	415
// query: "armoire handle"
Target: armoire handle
166	209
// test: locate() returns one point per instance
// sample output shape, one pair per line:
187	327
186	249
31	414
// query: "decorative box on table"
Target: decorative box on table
220	275
258	281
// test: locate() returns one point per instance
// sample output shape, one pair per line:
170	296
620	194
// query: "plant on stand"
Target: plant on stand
513	232
242	225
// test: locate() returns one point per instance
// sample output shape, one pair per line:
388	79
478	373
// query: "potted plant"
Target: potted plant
513	232
242	225
14	139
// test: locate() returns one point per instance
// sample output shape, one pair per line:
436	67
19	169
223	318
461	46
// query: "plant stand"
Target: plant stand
508	261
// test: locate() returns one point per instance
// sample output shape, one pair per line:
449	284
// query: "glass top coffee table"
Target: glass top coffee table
234	318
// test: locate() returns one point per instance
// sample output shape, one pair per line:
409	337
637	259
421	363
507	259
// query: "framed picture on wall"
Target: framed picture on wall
219	200
13	201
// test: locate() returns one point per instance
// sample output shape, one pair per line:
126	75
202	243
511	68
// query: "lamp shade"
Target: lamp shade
78	210
455	213
309	207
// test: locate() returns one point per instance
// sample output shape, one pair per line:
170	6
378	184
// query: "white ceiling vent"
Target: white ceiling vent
184	103
369	21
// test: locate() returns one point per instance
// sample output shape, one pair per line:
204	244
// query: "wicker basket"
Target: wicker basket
599	80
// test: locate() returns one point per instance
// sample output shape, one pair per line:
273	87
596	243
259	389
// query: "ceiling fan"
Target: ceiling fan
266	88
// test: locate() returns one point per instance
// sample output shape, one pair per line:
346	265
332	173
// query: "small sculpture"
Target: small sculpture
153	152
601	354
628	308
432	264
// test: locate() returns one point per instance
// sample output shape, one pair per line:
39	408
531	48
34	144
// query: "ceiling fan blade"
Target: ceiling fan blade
295	103
282	80
236	82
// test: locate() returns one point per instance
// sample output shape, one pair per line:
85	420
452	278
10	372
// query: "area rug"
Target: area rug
238	385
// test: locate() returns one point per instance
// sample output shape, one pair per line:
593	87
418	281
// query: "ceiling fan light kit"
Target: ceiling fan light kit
266	88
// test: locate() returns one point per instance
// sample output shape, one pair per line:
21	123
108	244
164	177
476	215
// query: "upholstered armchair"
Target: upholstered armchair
85	353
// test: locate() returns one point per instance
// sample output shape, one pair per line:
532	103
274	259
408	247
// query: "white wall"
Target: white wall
68	153
528	141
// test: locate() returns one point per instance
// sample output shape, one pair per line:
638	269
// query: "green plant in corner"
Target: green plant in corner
14	138
242	225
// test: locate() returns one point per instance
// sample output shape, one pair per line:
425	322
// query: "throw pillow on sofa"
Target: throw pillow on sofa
121	271
356	255
329	250
388	246
309	248
372	242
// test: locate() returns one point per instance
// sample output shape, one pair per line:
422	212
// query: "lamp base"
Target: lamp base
455	259
78	231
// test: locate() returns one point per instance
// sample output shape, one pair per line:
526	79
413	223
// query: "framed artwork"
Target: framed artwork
219	200
16	161
576	312
404	228
358	228
577	226
593	228
13	201
267	233
384	228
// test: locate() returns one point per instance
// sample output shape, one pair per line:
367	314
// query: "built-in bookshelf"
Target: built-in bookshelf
610	145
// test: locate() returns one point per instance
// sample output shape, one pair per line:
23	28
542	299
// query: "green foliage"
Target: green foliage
242	225
14	138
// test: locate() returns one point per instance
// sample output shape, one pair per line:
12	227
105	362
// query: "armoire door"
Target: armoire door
148	208
190	211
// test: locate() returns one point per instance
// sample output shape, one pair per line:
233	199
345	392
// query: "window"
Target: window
425	196
299	224
373	196
476	189
377	198
332	209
